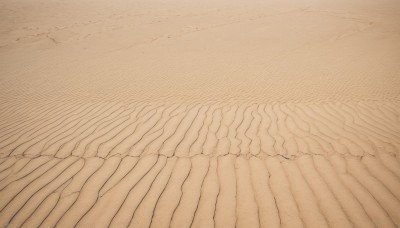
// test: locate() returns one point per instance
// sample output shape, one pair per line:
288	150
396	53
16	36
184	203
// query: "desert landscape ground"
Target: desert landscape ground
223	113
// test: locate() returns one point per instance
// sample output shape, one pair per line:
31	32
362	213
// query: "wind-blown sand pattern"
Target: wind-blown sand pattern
199	114
142	164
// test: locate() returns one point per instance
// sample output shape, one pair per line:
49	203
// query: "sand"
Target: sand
239	113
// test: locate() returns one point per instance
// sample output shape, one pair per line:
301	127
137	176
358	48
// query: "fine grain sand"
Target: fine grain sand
200	113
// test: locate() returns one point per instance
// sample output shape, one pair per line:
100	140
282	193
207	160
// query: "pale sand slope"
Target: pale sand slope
150	113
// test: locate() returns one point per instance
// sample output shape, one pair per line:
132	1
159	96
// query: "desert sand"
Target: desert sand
222	113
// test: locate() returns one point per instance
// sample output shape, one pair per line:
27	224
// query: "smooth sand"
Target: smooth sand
222	113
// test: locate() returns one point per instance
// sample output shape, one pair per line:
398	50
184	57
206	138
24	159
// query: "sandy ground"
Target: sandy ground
223	113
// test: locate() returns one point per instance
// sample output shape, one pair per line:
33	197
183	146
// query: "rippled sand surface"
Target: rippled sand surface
199	113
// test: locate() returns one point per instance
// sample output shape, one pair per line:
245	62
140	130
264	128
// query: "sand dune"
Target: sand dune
199	113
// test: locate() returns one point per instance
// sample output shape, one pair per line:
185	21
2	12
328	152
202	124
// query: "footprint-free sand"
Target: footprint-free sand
222	113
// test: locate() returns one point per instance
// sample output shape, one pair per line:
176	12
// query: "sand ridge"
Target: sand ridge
222	113
141	164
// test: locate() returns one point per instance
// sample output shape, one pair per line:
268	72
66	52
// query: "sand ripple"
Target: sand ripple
200	165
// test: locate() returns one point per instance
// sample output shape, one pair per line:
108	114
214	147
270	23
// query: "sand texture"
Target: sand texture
199	113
